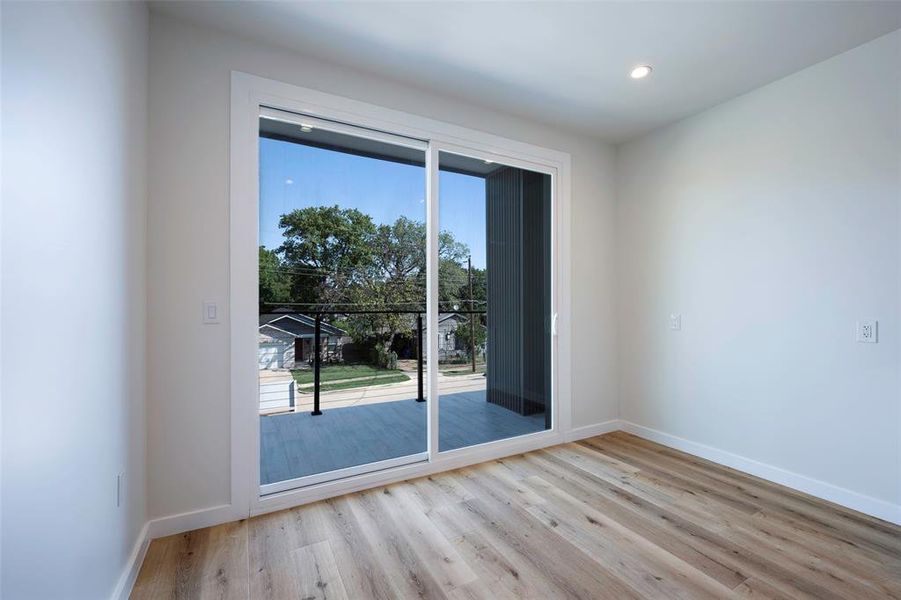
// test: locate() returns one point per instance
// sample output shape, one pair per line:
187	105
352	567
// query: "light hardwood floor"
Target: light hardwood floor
610	517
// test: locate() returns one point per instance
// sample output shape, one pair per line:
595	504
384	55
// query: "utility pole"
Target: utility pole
472	316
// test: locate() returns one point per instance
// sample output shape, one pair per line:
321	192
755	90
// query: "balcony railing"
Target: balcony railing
319	318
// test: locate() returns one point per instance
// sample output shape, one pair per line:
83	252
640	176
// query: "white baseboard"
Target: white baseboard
868	505
587	431
162	527
133	566
195	519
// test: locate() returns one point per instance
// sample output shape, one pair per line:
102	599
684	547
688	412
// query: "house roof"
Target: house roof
443	318
456	316
298	325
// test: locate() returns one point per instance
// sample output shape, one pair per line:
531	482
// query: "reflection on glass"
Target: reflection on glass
495	301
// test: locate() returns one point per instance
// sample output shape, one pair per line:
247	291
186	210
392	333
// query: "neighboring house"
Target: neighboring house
286	340
449	343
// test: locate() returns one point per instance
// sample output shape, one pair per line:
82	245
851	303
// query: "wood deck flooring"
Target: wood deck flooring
299	444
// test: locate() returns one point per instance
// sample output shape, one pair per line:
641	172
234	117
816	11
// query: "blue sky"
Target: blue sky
295	176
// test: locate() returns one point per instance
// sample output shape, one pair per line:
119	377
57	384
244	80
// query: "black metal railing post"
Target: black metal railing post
316	352
420	397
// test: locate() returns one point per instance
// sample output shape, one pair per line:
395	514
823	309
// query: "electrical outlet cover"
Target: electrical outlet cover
675	322
867	332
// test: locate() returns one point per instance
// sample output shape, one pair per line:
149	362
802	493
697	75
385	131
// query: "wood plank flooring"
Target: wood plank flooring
609	517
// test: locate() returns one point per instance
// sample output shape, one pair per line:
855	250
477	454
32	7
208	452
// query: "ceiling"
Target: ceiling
562	63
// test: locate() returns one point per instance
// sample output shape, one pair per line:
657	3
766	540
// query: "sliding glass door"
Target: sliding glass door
349	341
341	298
494	366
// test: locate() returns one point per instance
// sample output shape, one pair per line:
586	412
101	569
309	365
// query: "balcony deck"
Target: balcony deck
299	444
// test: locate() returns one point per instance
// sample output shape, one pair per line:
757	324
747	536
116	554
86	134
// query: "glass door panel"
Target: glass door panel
494	325
342	290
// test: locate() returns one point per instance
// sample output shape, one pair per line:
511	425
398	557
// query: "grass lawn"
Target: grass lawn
358	376
336	372
346	385
462	369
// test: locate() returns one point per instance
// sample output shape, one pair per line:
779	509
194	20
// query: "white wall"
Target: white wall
771	223
73	271
188	415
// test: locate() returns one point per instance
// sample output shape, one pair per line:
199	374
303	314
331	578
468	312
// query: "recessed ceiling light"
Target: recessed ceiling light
640	72
489	162
306	128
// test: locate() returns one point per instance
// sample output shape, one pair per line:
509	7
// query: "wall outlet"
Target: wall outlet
675	322
868	332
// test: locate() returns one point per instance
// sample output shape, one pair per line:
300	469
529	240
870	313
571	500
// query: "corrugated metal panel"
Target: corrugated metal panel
518	224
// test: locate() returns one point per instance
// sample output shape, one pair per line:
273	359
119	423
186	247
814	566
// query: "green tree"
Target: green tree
480	286
326	250
338	257
395	280
479	290
459	296
479	332
275	283
454	287
451	270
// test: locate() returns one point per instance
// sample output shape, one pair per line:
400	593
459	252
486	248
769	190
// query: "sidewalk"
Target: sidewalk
374	394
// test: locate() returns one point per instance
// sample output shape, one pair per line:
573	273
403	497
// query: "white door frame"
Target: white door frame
248	94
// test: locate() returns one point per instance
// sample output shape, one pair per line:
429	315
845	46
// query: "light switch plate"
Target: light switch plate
675	322
868	332
210	312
